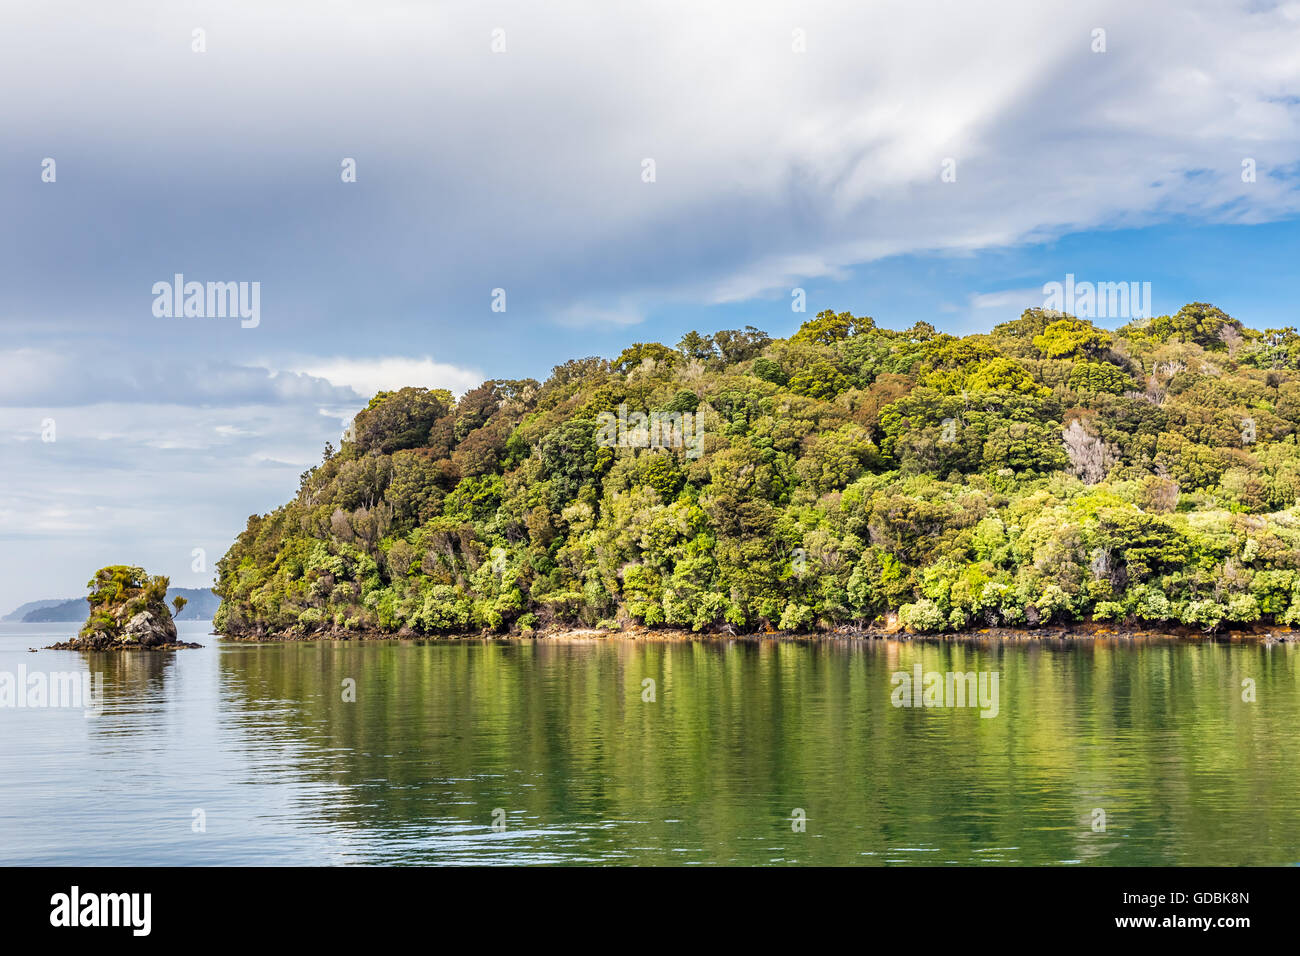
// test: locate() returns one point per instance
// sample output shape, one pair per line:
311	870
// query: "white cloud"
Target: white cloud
366	376
585	315
143	484
1009	299
92	373
772	166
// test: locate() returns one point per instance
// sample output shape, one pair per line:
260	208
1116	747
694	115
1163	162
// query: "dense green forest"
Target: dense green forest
1047	471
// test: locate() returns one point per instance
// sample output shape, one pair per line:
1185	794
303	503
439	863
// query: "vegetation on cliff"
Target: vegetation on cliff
1046	471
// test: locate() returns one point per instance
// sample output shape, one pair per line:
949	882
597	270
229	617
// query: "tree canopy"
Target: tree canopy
1048	470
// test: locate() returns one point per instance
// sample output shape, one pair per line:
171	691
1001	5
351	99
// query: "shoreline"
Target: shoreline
76	645
1081	633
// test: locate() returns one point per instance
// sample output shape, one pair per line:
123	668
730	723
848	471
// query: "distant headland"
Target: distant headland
201	605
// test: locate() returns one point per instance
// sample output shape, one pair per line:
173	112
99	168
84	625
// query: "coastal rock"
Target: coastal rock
128	611
147	630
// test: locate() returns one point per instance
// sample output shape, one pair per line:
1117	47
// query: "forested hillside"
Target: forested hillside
1046	471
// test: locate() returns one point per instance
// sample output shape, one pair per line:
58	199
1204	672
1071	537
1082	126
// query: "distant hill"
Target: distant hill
73	609
20	613
202	605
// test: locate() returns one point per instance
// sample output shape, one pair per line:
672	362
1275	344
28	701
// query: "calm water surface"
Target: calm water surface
556	741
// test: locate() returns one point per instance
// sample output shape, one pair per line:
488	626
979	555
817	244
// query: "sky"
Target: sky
621	172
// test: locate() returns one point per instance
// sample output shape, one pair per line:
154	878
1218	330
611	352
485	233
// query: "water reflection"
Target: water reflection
741	735
737	752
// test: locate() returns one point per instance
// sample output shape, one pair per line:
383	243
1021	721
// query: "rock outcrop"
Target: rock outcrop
128	611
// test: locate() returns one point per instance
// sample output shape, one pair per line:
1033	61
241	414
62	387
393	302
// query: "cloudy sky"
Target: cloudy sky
503	145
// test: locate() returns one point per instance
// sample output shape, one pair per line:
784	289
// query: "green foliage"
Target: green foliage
1197	322
1091	377
395	420
645	354
840	475
828	328
118	593
770	371
1071	337
923	616
1004	375
820	380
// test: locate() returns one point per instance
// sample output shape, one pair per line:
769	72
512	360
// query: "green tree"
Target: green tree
1066	338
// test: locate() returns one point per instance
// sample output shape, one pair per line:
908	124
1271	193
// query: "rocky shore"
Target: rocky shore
1082	631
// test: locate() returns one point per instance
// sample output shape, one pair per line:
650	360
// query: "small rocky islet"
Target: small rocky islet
128	612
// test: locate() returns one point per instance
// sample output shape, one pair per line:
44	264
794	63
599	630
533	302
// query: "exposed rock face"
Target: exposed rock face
144	629
148	630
